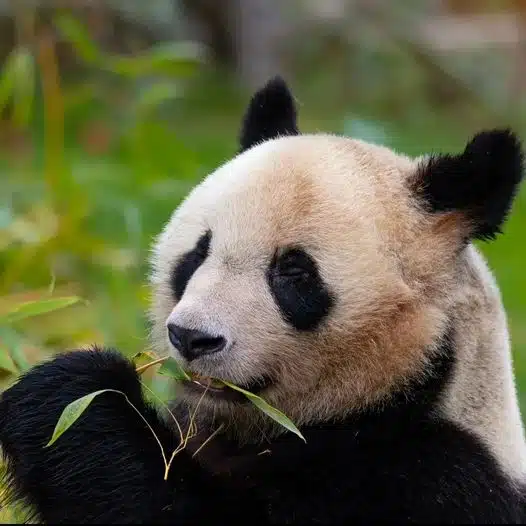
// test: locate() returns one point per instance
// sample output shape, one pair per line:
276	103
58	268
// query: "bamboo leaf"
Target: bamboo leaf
52	284
155	95
270	411
72	413
13	342
172	59
75	32
172	368
24	88
74	410
6	363
143	357
143	360
31	309
7	80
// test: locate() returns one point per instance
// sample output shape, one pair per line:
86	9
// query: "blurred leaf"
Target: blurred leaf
13	343
143	357
172	368
24	87
270	411
175	58
161	388
6	363
143	360
168	58
72	413
156	94
7	79
38	307
76	33
52	284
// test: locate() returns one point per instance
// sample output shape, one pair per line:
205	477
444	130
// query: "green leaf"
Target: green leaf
6	363
143	360
72	413
142	356
172	368
7	80
74	410
156	94
13	342
272	412
38	307
51	287
173	59
24	88
75	32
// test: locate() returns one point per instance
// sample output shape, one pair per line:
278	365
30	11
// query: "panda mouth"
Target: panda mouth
215	388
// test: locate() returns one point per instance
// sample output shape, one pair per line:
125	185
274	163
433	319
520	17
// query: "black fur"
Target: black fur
303	298
108	467
189	263
396	464
271	113
481	181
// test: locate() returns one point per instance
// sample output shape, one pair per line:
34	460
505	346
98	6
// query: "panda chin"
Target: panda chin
213	388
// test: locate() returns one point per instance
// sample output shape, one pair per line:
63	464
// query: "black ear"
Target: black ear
270	114
481	182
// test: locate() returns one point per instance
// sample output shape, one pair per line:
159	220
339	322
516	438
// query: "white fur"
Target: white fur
482	397
392	268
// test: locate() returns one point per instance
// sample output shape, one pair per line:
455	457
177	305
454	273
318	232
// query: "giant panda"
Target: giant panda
338	281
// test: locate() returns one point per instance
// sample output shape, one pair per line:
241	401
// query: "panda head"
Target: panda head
320	271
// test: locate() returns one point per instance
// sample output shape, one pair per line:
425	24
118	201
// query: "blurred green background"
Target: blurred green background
111	111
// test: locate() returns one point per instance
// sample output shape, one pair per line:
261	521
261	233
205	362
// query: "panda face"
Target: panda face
283	261
315	270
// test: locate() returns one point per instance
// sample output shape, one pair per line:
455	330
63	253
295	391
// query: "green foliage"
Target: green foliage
94	178
75	409
72	412
99	164
35	308
166	58
172	369
87	217
266	408
17	85
12	358
94	182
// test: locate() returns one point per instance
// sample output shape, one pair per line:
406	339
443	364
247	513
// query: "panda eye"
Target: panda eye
189	263
202	247
200	253
294	264
293	271
299	290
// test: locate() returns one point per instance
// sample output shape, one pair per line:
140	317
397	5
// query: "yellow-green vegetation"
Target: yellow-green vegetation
92	168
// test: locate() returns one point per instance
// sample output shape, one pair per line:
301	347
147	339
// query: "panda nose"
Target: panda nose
193	343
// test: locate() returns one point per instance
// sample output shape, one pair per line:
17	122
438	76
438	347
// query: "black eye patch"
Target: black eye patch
303	298
188	263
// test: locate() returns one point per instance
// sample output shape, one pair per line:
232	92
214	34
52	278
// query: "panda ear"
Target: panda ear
270	114
481	182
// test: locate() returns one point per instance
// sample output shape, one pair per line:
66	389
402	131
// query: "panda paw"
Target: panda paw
104	466
30	408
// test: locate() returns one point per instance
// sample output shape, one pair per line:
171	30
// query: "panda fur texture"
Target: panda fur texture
338	280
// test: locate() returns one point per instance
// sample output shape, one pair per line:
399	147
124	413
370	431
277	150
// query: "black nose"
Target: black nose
192	343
